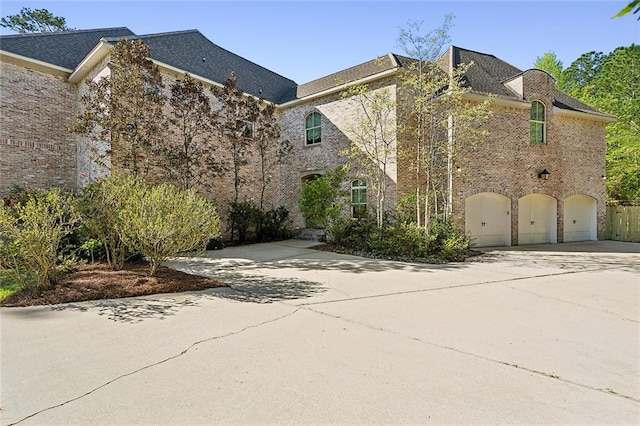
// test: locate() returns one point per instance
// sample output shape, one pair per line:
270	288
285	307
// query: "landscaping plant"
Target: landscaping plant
162	221
30	237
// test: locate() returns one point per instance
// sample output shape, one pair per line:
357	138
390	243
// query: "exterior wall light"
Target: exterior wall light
544	175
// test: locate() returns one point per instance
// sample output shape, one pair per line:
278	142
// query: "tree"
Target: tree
189	157
235	121
579	76
444	120
425	49
617	91
373	137
123	112
629	8
550	63
271	150
34	21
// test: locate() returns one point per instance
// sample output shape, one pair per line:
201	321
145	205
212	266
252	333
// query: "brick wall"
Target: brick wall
337	115
36	148
507	163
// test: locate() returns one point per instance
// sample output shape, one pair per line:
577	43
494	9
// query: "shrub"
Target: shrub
99	205
319	199
162	221
244	216
30	237
273	224
402	240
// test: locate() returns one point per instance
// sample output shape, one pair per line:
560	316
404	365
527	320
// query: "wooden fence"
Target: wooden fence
623	223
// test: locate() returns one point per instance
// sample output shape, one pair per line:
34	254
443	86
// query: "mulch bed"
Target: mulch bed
97	281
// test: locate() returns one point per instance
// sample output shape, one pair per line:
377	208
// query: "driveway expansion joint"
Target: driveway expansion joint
607	391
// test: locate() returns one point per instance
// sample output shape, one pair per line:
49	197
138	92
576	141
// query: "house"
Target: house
536	177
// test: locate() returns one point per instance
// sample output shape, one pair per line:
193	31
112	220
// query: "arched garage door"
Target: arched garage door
537	219
580	218
488	219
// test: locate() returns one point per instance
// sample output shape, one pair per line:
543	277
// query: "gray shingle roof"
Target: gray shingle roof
62	48
187	49
354	73
488	74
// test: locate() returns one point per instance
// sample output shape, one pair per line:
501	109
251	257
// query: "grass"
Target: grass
7	286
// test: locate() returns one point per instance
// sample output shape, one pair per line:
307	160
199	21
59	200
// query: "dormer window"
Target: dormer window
312	124
537	127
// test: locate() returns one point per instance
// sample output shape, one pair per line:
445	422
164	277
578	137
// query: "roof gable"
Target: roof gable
62	48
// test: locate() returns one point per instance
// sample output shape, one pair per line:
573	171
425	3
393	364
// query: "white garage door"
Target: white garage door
488	219
537	215
580	218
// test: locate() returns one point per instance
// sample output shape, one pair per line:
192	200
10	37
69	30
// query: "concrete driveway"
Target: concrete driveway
544	334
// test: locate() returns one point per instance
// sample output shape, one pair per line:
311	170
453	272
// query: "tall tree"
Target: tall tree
34	21
189	156
550	63
444	120
579	76
425	48
270	148
373	139
617	91
235	120
125	110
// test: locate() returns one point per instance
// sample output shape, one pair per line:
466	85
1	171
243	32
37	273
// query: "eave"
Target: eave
34	64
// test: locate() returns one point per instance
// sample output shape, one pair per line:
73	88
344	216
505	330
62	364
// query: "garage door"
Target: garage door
580	218
488	219
537	219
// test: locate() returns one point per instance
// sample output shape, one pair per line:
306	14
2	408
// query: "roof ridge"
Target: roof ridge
344	70
55	33
168	33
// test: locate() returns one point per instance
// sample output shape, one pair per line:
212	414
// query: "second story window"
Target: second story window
537	130
247	129
312	124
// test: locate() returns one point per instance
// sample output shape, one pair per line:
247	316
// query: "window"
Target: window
537	122
247	129
358	199
312	128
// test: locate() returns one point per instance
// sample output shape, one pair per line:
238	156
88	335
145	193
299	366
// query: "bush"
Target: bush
403	240
31	235
99	205
319	199
244	216
162	221
273	225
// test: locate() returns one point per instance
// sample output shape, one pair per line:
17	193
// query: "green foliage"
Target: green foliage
319	199
31	235
7	285
629	8
99	205
162	221
402	240
244	215
550	63
34	21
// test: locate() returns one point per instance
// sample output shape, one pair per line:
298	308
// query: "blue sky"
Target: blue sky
304	40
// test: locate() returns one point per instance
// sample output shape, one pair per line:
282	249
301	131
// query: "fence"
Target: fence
623	223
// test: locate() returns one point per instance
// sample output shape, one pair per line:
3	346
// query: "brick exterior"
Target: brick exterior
36	148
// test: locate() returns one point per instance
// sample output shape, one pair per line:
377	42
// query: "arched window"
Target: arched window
537	122
312	124
359	199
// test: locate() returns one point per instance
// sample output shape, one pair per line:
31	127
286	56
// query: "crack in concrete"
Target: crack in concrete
146	367
571	303
607	391
447	287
